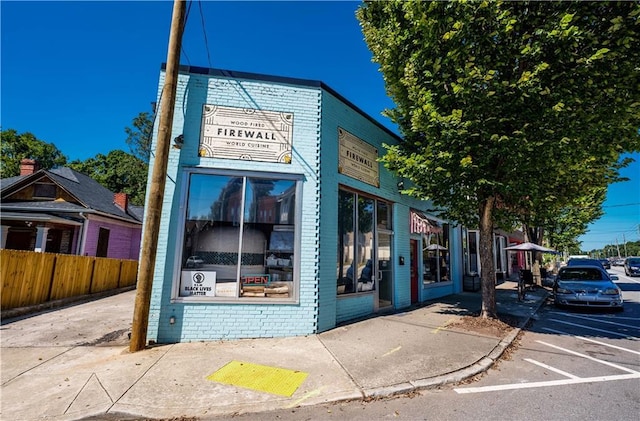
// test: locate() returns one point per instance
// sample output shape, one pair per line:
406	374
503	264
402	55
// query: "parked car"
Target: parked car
585	262
579	256
632	266
618	262
586	286
605	263
194	262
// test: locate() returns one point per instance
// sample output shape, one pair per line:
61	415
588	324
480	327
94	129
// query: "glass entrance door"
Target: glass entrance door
385	270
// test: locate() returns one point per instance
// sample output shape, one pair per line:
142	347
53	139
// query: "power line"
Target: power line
204	32
183	50
618	206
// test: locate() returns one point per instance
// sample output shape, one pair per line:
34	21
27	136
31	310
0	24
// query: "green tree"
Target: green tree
570	222
632	248
139	136
500	103
16	147
118	171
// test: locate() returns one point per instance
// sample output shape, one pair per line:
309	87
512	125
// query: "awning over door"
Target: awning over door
422	224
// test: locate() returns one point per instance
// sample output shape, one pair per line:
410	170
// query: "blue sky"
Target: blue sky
76	73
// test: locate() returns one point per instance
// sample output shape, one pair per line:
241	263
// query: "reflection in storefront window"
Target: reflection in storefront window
383	215
239	237
365	250
356	270
346	202
435	256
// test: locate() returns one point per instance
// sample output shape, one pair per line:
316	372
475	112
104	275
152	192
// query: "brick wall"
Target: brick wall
209	321
318	113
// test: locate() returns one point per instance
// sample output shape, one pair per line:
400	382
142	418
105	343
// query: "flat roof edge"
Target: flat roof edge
279	79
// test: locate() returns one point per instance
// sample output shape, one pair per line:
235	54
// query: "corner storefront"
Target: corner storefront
278	219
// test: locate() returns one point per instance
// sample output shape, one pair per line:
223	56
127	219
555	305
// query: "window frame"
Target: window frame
443	239
44	187
376	229
181	221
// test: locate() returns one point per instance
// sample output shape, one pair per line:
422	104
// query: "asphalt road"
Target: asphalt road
567	365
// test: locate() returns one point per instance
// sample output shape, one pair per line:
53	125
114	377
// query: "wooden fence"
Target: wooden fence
30	278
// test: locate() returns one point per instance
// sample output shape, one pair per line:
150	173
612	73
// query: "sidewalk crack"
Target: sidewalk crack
37	365
140	377
84	386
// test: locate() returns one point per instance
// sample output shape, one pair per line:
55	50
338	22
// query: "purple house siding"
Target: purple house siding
71	213
136	240
124	240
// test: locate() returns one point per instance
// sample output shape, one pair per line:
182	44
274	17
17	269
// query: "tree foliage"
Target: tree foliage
570	222
139	136
118	171
506	106
16	147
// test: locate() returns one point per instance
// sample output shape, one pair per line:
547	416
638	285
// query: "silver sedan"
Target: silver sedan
586	286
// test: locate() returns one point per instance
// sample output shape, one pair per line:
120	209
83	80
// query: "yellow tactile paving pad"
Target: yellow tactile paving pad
278	381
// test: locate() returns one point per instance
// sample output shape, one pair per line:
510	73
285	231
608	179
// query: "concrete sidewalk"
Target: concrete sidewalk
74	362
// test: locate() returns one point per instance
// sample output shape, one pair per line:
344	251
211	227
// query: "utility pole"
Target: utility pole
618	246
158	179
624	240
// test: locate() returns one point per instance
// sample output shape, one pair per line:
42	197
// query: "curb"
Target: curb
457	376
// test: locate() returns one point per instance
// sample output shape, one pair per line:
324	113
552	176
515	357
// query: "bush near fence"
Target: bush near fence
30	278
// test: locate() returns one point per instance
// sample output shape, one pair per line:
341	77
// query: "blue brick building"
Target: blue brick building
278	220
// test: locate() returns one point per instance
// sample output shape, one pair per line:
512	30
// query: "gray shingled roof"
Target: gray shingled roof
42	206
6	182
86	190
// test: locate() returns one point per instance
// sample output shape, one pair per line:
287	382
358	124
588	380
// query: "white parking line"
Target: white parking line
546	384
608	332
597	317
588	357
601	321
548	367
591	340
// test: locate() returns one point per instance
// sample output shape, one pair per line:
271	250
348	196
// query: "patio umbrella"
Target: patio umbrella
530	247
435	247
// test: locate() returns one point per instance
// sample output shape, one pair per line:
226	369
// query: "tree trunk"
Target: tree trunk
486	260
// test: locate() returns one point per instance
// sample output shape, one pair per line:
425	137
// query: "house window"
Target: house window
500	254
44	190
471	256
102	248
239	238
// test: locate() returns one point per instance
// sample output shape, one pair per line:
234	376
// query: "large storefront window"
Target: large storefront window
360	252
239	238
346	250
435	256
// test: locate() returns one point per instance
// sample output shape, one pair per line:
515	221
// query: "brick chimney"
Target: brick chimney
28	166
121	200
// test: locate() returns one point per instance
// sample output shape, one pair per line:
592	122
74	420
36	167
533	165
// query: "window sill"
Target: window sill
233	301
355	294
436	284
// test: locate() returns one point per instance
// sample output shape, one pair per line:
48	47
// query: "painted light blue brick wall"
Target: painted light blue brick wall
211	321
317	115
336	113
